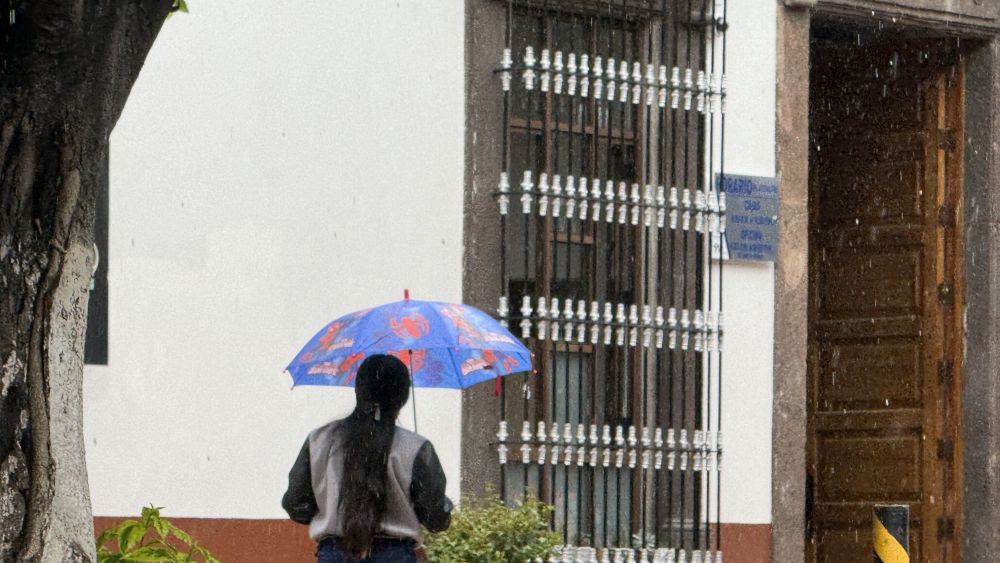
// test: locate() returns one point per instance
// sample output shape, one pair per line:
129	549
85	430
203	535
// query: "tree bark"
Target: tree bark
67	68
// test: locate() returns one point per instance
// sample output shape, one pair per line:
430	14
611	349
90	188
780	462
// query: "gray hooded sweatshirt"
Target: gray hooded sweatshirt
415	486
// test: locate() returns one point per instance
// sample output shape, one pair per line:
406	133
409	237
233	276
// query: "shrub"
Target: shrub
151	538
492	532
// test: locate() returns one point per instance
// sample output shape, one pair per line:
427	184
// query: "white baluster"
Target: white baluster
526	317
543	193
659	327
568	320
598	81
685	328
622	203
686	209
609	199
661	99
623	75
503	188
556	196
503	309
545	63
672	323
648	203
673	208
608	319
688	88
647	322
527	185
699	205
529	72
634	199
570	197
543	324
675	82
595	198
610	71
584	203
554	319
620	322
633	322
506	61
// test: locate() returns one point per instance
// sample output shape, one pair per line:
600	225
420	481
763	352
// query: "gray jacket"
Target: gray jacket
415	486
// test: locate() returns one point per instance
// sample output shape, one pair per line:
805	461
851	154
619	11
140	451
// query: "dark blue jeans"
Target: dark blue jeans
384	551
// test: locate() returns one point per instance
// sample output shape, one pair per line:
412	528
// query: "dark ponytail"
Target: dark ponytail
382	387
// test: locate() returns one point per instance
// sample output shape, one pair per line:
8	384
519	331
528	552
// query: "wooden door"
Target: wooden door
885	183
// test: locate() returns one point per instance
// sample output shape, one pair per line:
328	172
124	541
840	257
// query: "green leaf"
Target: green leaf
130	535
179	533
150	553
149	515
162	527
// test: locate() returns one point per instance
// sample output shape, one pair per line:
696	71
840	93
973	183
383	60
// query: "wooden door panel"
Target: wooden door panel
871	466
875	264
871	282
869	374
876	180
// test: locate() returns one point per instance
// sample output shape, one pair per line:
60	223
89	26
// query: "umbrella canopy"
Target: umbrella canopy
445	344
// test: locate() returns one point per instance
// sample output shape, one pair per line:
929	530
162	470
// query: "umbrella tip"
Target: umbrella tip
406	294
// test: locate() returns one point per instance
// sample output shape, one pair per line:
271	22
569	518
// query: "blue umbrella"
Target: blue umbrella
446	345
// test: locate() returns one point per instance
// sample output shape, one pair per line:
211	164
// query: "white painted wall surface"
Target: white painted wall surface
276	166
748	287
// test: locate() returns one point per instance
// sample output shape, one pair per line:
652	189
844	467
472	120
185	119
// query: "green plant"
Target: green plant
492	532
151	538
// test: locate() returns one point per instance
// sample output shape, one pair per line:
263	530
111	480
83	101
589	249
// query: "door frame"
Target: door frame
979	219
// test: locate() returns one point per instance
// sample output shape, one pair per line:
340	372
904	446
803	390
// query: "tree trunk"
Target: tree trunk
67	67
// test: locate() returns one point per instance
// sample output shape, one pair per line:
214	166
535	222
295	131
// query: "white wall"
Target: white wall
748	287
276	167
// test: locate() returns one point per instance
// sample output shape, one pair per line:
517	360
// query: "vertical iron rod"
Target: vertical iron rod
505	168
722	181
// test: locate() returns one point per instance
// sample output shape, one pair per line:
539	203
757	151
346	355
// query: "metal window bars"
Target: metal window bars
617	324
599	78
612	136
584	198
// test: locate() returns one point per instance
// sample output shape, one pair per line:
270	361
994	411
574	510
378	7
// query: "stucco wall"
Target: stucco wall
748	303
275	167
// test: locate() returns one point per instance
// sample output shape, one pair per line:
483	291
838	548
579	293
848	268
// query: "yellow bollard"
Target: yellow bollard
890	533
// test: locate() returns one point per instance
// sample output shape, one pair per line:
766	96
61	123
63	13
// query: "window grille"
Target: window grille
613	122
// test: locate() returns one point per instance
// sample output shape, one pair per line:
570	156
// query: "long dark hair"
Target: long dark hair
382	387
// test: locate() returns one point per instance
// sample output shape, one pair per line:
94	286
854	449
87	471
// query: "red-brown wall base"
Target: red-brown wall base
283	541
243	541
746	543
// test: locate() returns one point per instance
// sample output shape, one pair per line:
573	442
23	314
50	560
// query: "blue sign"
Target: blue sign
751	217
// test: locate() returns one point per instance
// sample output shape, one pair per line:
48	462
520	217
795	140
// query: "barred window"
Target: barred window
613	119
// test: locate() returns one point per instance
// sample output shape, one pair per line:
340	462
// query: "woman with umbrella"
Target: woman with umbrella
365	486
